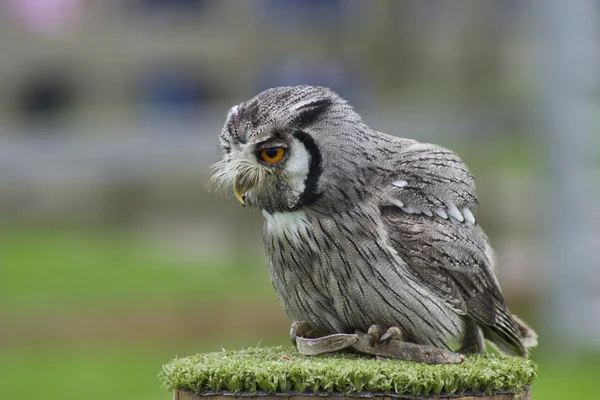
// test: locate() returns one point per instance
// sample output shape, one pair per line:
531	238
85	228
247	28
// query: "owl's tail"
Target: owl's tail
507	345
528	334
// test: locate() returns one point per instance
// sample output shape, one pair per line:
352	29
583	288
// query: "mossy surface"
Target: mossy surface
273	370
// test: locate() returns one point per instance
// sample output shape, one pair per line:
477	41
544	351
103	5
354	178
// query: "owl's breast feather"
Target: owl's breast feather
292	227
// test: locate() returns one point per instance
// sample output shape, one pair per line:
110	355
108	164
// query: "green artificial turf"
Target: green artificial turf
273	370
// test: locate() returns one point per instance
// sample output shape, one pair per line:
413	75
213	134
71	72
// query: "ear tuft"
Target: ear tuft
311	112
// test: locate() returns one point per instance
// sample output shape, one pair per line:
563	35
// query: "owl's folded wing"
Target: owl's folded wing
428	209
454	261
432	180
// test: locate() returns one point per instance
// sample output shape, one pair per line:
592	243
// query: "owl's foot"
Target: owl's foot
325	344
311	342
375	342
300	329
397	349
393	333
304	329
378	335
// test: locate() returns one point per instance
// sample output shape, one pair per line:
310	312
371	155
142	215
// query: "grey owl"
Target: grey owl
364	229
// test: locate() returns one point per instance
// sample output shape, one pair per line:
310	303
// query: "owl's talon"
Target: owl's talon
385	337
375	332
392	333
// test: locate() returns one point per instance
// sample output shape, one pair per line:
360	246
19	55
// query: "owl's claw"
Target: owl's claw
375	331
392	333
377	335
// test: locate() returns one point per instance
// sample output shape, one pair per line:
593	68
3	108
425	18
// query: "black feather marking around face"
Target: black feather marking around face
310	193
311	112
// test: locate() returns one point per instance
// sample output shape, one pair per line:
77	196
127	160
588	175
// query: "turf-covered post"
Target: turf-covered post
275	372
183	395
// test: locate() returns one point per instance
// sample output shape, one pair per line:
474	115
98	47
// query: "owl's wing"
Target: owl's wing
430	179
428	212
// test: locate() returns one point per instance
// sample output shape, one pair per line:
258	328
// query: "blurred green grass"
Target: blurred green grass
62	267
566	378
52	270
96	370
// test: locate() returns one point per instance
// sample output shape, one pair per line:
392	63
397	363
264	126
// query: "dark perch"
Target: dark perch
276	372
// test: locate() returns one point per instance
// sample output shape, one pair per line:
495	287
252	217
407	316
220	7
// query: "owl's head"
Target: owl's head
278	146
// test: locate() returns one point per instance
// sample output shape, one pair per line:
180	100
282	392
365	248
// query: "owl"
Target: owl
364	231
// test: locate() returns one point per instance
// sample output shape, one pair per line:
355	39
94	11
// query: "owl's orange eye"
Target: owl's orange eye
272	154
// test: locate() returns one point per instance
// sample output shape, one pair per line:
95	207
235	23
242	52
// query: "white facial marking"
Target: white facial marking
239	161
400	183
297	166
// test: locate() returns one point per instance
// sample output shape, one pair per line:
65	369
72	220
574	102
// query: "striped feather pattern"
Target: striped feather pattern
380	230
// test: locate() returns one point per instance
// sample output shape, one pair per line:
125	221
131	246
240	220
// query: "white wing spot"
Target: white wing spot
440	213
397	203
454	213
469	217
400	183
411	210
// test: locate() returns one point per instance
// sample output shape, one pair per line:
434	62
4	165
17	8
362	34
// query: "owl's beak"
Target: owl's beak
240	189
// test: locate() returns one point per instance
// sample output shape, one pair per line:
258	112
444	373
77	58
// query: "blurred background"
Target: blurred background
114	257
